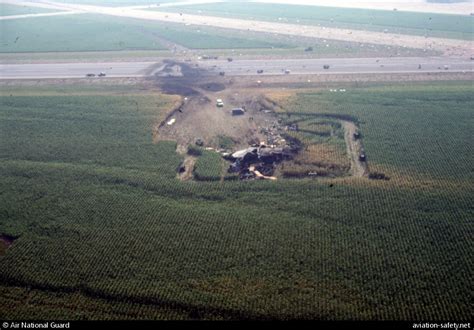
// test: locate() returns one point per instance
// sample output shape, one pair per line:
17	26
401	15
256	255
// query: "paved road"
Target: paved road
342	65
77	70
242	67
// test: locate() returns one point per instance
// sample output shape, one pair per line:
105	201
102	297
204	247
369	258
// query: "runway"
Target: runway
242	67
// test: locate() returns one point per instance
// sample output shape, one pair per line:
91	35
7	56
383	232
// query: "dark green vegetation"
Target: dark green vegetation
7	10
209	166
417	133
323	148
102	33
435	25
107	231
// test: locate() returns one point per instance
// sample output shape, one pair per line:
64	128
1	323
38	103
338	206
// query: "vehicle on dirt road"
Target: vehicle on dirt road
219	103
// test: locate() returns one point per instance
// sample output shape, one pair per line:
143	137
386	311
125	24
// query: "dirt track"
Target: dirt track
354	147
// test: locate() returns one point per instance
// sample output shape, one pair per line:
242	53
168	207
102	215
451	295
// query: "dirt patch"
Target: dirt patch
199	117
186	168
213	87
355	150
5	242
177	88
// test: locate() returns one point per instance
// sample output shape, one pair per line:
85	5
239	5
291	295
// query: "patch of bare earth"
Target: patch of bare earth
198	116
354	149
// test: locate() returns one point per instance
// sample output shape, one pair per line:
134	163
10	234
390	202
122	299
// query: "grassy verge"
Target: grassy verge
103	33
8	10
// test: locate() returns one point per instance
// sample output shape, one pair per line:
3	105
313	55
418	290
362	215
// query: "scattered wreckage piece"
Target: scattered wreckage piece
258	162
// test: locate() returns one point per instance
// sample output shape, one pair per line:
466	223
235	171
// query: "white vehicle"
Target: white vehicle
219	103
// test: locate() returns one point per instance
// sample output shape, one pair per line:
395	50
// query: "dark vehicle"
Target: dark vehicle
90	75
259	71
356	135
362	157
222	73
230	59
238	112
102	74
326	66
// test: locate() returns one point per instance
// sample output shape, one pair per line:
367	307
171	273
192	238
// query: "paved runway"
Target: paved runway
342	65
243	67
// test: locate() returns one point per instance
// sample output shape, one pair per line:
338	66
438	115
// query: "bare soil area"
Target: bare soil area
354	150
199	117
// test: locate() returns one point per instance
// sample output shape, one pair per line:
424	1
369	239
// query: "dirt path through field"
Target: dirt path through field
358	168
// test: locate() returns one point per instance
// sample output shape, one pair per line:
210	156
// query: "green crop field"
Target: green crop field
103	33
105	230
430	24
422	142
8	10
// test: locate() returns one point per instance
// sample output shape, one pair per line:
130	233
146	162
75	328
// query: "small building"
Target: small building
238	112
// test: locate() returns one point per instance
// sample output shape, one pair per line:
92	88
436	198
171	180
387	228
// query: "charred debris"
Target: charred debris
259	161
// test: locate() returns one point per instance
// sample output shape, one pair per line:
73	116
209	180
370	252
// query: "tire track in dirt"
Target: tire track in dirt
354	147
